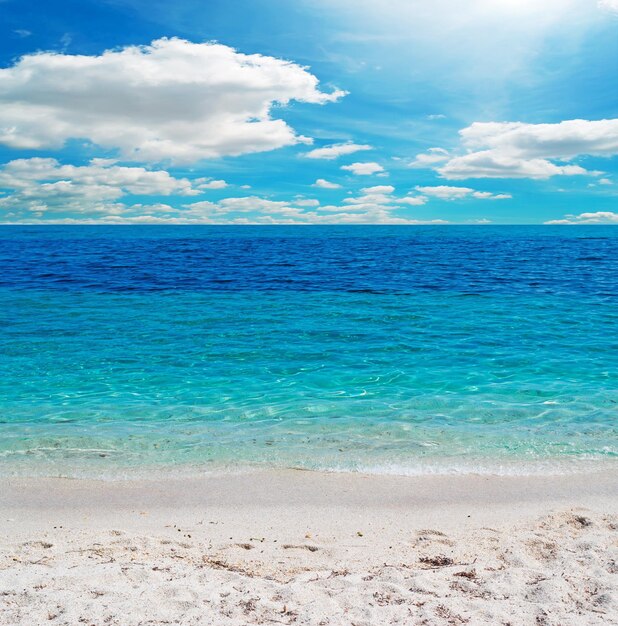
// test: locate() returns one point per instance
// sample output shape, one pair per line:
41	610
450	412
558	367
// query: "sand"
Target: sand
308	548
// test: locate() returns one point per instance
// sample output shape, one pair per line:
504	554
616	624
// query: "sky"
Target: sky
309	112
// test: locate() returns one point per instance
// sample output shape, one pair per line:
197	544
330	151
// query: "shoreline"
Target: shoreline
299	547
436	467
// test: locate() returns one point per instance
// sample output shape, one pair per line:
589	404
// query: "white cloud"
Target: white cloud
605	181
518	150
379	189
447	192
487	195
370	208
431	157
413	200
252	203
563	140
336	150
325	184
43	184
600	217
379	197
376	204
173	100
374	199
239	210
22	173
492	164
363	169
205	183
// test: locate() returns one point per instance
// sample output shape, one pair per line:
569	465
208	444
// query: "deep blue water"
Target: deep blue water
393	349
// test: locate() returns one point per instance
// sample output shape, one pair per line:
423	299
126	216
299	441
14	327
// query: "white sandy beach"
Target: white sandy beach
308	548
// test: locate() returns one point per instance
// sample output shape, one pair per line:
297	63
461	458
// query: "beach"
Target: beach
297	547
338	426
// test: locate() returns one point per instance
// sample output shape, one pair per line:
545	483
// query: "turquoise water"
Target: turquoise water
333	349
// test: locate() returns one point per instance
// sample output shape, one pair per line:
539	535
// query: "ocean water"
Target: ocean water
408	350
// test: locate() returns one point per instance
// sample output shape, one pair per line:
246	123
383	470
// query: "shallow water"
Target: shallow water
380	349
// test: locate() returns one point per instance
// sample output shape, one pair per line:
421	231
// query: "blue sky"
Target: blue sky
313	111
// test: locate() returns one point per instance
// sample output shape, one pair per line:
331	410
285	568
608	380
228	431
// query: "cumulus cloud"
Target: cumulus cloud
370	208
430	158
379	189
239	210
42	184
373	196
363	169
379	198
171	100
413	200
374	205
447	192
336	150
325	184
42	190
600	217
519	150
493	164
206	183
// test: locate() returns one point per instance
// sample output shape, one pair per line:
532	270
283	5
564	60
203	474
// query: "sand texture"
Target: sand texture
475	551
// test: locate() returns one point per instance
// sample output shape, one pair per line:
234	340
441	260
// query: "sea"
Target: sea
131	350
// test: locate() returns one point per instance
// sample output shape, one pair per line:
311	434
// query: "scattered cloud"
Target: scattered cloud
413	200
325	184
38	185
600	217
430	158
171	100
337	150
44	191
446	192
491	164
518	150
377	199
363	169
206	183
22	32
373	207
373	196
379	189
